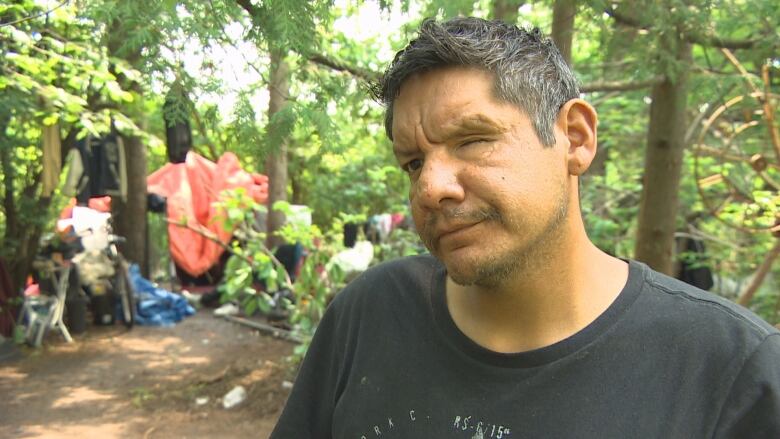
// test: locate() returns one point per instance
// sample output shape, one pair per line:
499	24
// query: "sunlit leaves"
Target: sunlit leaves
59	71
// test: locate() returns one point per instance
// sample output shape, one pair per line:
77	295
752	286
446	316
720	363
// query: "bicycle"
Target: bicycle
110	267
101	264
121	283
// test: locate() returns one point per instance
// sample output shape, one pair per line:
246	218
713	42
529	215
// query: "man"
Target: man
516	325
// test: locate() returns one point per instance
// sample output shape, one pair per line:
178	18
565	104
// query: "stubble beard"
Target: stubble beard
495	268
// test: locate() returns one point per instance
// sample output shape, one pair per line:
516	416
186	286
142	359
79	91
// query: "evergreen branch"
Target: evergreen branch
691	37
598	86
202	130
342	67
248	7
32	17
318	58
624	19
620	85
721	43
585	88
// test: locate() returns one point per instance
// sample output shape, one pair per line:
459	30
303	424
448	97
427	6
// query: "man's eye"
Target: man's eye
412	166
470	142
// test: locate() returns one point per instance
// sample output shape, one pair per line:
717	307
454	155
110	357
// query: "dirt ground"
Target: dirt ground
146	383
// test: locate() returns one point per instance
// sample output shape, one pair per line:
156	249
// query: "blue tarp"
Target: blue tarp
156	306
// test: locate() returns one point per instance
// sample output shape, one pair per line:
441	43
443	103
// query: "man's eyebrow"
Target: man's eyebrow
400	150
474	123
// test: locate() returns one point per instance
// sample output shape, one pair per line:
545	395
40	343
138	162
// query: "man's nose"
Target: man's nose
438	183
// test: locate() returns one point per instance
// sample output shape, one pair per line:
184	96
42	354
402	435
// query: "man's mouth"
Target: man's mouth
454	229
449	224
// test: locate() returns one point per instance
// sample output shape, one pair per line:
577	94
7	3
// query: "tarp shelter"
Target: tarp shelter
191	189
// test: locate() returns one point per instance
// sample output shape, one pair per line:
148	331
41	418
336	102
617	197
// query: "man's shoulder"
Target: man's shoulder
701	307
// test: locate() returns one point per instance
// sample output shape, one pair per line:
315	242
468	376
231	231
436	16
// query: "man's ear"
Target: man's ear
577	120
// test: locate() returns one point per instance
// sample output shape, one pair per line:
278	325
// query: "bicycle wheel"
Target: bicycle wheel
124	289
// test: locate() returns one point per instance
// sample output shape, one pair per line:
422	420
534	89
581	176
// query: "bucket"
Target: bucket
76	314
103	309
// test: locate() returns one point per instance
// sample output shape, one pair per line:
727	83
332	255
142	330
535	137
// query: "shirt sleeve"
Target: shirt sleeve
309	409
752	408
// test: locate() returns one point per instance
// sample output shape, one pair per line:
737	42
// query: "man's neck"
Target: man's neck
540	305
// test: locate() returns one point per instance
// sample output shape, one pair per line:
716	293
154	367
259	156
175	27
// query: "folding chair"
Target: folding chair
46	311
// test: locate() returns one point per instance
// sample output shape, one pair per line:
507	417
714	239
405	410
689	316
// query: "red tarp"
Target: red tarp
191	189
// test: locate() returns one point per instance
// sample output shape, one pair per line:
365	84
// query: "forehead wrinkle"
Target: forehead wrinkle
420	137
480	122
402	143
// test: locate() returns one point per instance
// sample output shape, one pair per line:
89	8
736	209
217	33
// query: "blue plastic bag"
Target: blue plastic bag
156	306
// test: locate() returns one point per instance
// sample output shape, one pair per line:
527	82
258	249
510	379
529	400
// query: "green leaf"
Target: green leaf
251	307
263	303
51	119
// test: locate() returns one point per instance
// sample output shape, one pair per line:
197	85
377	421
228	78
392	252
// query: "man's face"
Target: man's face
487	197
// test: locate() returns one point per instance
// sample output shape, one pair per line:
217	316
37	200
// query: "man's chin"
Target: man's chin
464	281
479	270
465	273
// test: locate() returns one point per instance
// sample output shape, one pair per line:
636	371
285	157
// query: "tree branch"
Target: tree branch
620	85
721	43
248	7
342	67
758	278
691	37
624	19
599	86
31	17
208	234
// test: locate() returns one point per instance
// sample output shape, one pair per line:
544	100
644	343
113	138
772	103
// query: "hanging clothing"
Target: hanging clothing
178	135
693	270
51	158
97	168
74	181
350	234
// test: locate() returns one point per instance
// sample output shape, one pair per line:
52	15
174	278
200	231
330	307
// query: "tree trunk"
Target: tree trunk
10	237
129	215
563	26
506	10
663	165
9	204
276	161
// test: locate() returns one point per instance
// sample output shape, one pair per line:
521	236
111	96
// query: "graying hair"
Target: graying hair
528	69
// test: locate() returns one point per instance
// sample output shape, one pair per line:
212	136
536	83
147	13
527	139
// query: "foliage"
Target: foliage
255	278
399	243
52	73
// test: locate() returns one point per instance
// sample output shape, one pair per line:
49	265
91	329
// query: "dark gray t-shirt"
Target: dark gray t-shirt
665	360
